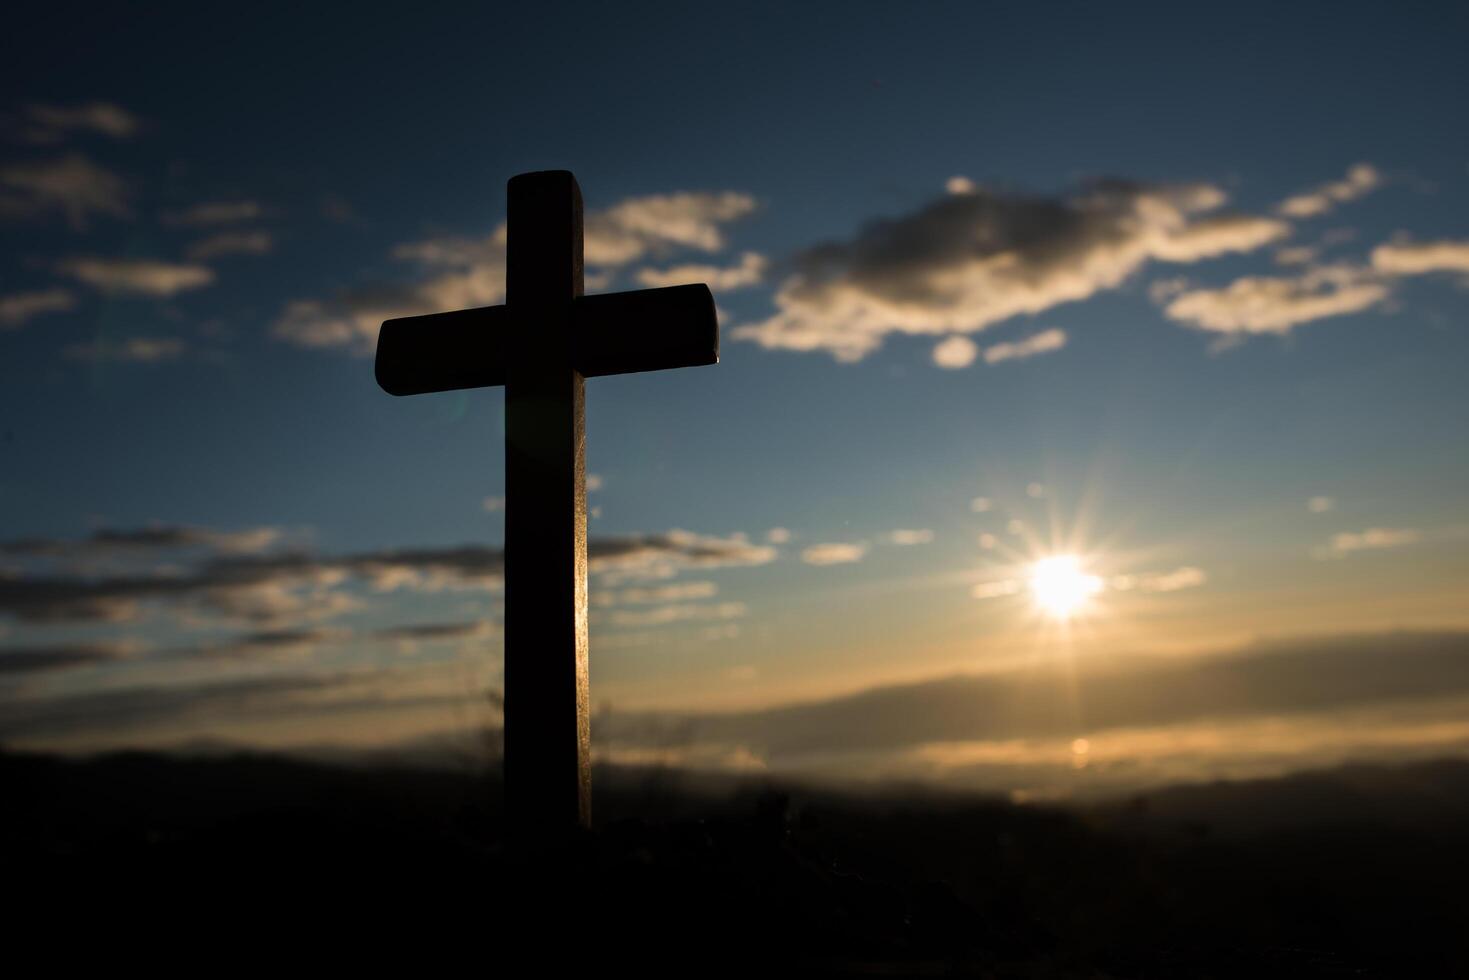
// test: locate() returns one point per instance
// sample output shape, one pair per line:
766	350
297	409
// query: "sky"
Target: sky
1089	415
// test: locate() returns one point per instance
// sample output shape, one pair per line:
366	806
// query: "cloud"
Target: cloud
664	615
778	535
457	273
153	538
215	213
638	226
104	118
243	583
719	278
133	350
1186	577
678	592
1296	255
72	185
955	352
280	643
1275	304
1320	505
910	536
431	632
660	555
285	693
17	308
1359	180
965	261
995	589
1040	343
1372	539
1417	258
231	243
454	274
1321	675
149	277
834	553
48	659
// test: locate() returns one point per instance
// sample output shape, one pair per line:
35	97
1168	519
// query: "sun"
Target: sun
1059	586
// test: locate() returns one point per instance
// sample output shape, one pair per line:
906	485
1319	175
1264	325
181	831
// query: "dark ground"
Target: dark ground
149	862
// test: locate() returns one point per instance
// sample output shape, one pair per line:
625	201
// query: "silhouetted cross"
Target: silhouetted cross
540	345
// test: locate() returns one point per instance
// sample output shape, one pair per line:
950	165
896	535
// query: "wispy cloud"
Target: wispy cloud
676	592
1041	343
152	538
971	259
676	613
960	352
639	226
1416	258
50	123
149	277
17	308
1359	180
131	350
414	633
457	273
749	271
1372	539
1296	255
295	692
834	553
1186	577
238	579
215	213
72	185
47	659
996	589
231	243
1275	304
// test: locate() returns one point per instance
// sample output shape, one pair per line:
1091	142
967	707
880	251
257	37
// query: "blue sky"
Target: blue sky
1178	293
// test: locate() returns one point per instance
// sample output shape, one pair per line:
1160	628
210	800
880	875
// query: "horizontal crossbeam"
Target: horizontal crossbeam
615	333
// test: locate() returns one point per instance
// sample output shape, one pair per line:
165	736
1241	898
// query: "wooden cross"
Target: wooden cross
540	345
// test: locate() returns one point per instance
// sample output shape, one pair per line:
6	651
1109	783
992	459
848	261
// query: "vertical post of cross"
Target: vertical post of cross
547	721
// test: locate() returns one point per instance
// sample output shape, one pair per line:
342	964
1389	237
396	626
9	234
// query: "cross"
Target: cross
541	344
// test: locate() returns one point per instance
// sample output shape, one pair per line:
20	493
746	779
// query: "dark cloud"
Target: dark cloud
435	631
1086	697
979	256
160	537
277	638
116	713
124	709
44	659
272	586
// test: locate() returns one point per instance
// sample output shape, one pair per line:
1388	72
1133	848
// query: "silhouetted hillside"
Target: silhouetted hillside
1356	872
